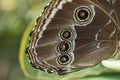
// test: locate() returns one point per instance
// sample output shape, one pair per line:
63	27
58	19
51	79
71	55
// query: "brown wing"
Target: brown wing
41	49
96	41
111	6
52	48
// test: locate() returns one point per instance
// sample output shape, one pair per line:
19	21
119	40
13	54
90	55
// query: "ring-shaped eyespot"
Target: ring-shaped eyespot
63	47
64	59
66	34
84	14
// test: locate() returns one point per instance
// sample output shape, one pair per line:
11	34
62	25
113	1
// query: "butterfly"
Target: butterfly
71	35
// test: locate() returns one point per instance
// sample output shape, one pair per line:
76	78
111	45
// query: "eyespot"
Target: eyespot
84	14
64	59
63	47
66	34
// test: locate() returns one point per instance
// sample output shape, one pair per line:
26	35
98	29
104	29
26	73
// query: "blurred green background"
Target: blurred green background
15	15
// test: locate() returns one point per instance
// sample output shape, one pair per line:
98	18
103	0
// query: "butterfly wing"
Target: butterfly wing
44	37
51	46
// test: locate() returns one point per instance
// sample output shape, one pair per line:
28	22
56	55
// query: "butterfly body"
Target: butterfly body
72	35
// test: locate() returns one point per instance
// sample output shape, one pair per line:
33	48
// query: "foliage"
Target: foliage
17	16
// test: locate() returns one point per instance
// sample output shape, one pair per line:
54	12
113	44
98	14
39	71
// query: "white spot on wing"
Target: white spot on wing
98	45
113	1
53	13
112	33
45	70
70	0
61	4
108	22
96	36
